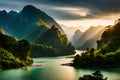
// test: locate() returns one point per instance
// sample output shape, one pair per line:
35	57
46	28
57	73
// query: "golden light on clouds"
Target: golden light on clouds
76	23
86	23
73	10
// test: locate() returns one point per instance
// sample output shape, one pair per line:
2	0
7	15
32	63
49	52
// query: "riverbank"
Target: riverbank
32	65
51	69
35	64
92	68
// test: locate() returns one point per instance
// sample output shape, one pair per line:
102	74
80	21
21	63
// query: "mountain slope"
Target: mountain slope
54	41
88	34
91	43
107	56
110	39
13	53
26	22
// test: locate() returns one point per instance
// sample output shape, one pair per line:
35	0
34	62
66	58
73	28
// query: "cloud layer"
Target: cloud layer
70	9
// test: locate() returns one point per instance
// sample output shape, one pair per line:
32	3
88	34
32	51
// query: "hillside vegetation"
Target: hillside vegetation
52	43
14	53
108	53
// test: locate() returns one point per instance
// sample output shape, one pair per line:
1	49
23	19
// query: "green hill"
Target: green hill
52	42
34	25
14	53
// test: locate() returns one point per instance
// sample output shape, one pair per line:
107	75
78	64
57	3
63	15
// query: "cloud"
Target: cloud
70	9
97	8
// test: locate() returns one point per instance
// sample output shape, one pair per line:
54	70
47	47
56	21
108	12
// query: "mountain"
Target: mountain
54	42
28	23
88	34
107	56
91	43
36	27
69	31
13	13
76	36
13	53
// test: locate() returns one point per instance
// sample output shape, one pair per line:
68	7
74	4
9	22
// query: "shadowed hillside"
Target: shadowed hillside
87	36
55	42
108	53
29	23
14	53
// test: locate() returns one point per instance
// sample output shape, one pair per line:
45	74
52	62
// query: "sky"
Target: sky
72	12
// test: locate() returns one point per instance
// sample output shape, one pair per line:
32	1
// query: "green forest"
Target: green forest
108	53
14	53
52	43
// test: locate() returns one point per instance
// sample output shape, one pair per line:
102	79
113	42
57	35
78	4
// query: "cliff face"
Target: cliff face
108	53
33	25
76	36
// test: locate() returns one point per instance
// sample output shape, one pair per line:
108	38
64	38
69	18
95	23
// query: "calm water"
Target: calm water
51	70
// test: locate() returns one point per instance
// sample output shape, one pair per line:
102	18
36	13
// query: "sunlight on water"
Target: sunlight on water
51	69
79	52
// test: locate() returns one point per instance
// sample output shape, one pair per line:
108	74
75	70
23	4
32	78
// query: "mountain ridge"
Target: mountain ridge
27	21
30	24
87	35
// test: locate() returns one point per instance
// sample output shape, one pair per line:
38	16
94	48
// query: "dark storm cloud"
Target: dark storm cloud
103	5
97	8
64	15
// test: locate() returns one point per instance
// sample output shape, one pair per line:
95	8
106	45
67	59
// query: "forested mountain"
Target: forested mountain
34	25
54	41
76	36
92	42
29	23
13	53
108	53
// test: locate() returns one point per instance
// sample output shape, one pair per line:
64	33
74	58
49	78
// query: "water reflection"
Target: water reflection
51	70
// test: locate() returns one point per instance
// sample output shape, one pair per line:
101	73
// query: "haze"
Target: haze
72	13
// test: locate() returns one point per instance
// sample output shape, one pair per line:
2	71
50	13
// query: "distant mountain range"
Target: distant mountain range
76	36
107	54
29	23
54	42
88	38
69	31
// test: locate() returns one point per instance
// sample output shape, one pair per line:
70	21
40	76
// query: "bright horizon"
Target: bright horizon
85	23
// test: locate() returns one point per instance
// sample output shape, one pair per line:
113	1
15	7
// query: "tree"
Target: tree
23	48
95	76
92	50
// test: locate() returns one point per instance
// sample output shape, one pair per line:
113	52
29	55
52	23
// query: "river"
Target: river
51	69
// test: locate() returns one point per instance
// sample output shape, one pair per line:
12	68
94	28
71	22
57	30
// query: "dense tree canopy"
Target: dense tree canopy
108	53
52	43
13	53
